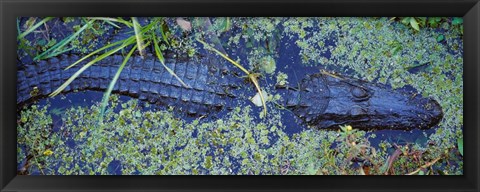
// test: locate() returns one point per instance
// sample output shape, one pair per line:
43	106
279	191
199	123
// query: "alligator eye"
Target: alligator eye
359	92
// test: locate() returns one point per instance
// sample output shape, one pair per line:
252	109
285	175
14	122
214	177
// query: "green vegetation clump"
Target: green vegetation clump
454	23
152	142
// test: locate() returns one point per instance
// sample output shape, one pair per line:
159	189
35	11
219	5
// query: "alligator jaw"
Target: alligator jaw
402	111
369	106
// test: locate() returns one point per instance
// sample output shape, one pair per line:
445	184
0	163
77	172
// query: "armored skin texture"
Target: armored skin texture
322	100
328	101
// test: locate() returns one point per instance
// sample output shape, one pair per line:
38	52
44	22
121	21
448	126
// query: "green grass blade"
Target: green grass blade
55	49
31	29
18	27
157	49
224	56
101	49
252	77
128	23
74	76
106	96
164	36
110	20
138	35
162	61
228	24
112	24
154	24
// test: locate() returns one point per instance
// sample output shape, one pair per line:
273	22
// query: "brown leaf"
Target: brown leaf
392	158
185	25
366	170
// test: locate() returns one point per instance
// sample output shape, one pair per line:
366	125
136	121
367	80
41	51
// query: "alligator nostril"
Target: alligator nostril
357	110
429	106
434	108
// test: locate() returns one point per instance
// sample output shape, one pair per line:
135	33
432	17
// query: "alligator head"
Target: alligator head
361	104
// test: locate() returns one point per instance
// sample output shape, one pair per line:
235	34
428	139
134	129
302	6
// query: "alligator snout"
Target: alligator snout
430	111
361	104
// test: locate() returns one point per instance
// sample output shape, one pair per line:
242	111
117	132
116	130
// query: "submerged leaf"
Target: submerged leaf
419	67
257	100
434	21
414	23
138	114
440	38
254	78
185	25
268	64
457	21
405	20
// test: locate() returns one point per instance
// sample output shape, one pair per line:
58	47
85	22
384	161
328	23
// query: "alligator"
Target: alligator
321	100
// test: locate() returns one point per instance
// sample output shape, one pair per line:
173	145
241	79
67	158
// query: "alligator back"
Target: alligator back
321	100
145	78
310	99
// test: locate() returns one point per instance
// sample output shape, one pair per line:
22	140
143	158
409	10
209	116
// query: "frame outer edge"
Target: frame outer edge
2	135
7	142
471	91
474	144
478	93
474	12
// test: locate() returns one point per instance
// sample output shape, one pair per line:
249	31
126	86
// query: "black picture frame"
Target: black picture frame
468	9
